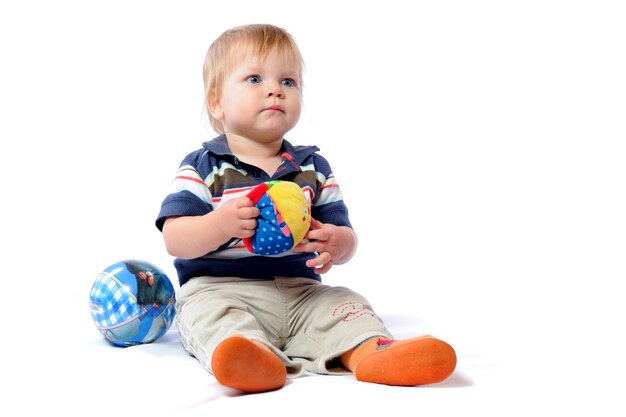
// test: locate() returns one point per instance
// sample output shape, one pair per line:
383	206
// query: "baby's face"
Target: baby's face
261	98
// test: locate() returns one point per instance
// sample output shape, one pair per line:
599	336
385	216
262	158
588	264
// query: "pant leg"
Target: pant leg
211	309
326	321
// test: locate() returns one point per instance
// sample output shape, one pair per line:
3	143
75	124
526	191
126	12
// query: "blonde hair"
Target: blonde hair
234	45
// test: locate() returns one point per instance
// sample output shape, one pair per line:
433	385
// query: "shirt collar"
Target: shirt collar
298	154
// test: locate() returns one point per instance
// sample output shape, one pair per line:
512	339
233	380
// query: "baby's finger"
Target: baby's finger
318	234
244	202
306	247
321	263
249	212
316	224
249	224
246	233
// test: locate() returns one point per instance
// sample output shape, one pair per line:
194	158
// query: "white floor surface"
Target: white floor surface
497	222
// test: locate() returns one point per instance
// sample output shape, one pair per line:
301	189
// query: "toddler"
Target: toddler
254	320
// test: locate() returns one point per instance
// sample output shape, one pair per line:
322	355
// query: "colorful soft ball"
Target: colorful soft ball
132	302
285	217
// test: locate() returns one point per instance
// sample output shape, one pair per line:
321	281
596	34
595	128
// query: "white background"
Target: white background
479	146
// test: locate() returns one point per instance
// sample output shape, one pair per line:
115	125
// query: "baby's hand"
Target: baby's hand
325	239
237	218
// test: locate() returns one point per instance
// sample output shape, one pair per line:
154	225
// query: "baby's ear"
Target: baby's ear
214	105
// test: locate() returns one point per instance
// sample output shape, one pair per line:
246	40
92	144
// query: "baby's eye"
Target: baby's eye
289	82
254	79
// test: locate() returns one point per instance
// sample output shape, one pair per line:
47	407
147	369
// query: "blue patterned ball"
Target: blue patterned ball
132	302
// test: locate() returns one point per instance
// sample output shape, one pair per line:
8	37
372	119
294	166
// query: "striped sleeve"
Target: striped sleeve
188	179
329	191
189	194
328	206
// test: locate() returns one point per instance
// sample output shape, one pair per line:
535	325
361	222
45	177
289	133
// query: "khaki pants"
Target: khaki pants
306	323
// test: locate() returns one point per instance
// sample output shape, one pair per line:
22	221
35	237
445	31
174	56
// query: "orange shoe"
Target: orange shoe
240	363
417	361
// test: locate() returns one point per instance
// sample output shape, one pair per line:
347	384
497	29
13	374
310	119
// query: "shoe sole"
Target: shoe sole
241	364
409	362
